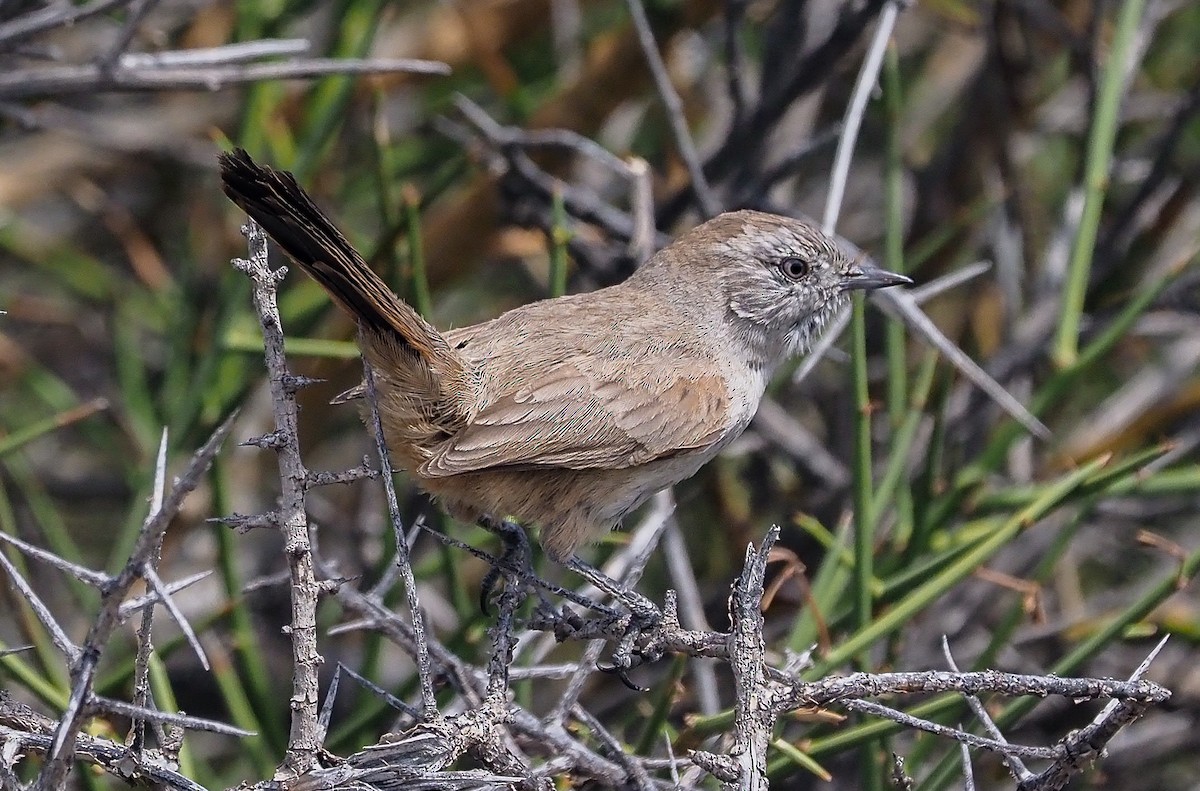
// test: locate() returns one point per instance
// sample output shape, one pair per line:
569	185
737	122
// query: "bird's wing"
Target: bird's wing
580	416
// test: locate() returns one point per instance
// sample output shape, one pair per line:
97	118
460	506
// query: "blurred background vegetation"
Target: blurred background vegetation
999	133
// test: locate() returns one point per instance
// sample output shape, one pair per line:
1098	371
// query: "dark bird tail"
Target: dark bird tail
285	211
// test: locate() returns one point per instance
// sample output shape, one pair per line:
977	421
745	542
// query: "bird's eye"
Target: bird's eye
794	268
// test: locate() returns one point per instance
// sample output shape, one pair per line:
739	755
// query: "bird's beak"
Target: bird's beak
865	276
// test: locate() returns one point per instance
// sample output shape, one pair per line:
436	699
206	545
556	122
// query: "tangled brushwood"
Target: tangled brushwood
969	504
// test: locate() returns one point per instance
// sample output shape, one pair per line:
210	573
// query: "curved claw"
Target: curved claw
625	658
486	587
621	673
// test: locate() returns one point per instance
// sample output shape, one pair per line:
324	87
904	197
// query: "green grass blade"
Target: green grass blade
1097	165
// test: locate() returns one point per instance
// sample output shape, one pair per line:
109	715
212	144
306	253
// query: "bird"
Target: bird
568	413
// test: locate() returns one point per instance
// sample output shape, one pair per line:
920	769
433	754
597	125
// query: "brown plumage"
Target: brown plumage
569	412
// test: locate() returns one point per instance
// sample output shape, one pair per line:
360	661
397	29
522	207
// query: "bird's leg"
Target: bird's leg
516	556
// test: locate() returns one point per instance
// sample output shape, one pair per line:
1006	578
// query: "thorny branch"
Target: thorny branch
403	561
141	674
754	714
61	750
439	740
291	518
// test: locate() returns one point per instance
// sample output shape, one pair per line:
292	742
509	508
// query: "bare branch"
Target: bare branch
164	596
83	670
705	197
180	719
46	81
304	741
757	704
860	685
57	634
94	578
141	664
130	606
429	710
133	19
958	734
868	75
110	756
1081	747
27	25
1011	760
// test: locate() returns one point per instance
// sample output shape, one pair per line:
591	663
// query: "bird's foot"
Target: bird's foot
516	557
643	619
632	651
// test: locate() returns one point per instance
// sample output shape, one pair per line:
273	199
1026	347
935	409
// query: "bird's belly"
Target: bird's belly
572	507
632	487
